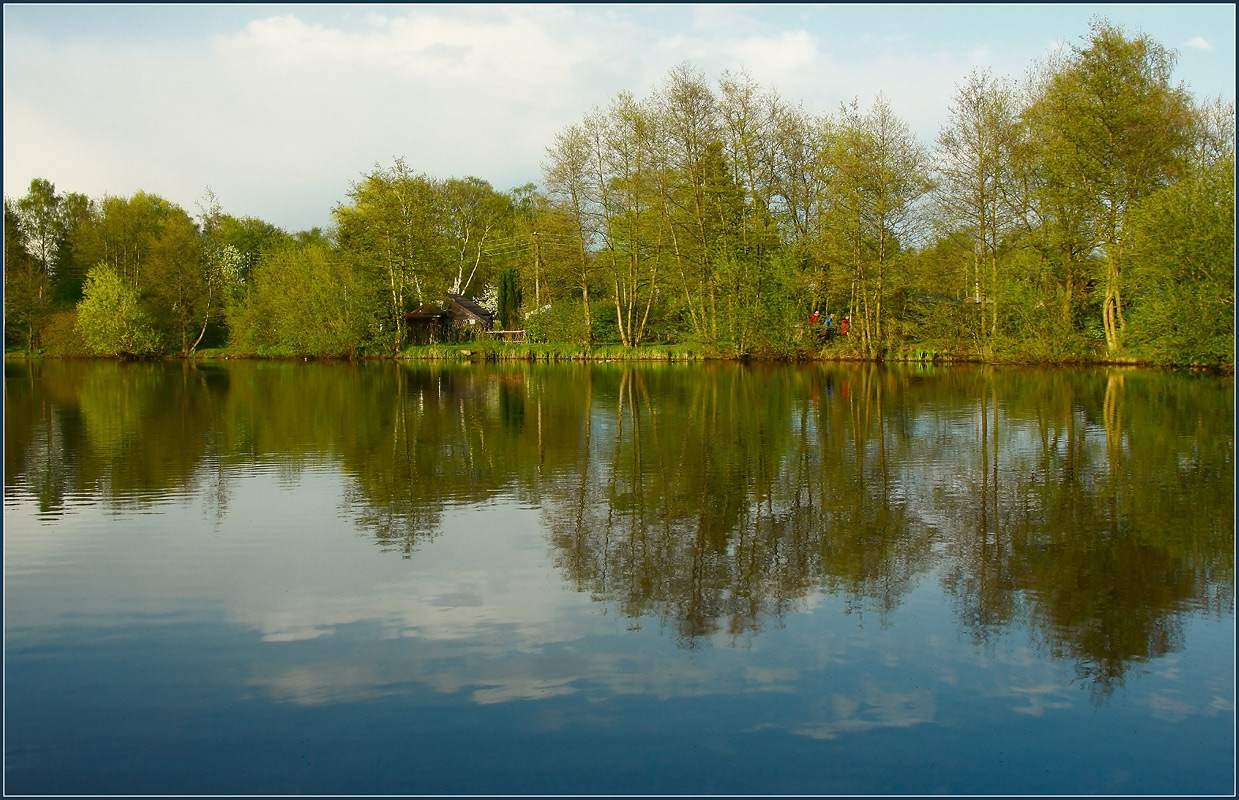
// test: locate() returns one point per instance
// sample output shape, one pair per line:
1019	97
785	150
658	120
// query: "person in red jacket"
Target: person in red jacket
843	326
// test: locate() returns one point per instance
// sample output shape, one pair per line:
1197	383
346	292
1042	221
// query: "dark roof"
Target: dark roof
471	307
426	313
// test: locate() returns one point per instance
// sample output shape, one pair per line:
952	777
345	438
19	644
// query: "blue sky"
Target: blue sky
280	108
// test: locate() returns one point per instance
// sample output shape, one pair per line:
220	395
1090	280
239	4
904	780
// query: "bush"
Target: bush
1180	281
561	323
304	300
60	337
110	318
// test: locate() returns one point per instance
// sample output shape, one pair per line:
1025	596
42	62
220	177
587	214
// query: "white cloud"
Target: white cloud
783	54
1199	43
1041	698
873	709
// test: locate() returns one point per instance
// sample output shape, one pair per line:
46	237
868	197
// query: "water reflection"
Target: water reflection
1090	508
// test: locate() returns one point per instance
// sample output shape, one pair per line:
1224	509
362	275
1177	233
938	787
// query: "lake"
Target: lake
415	578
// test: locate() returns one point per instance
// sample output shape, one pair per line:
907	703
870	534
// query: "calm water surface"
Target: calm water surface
411	579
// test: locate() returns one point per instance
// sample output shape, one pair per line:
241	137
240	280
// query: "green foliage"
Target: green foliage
1109	128
59	337
942	323
122	233
474	217
563	322
49	225
154	245
110	319
245	240
605	328
394	229
41	276
307	300
42	225
768	309
508	298
176	281
877	172
419	237
26	287
1182	270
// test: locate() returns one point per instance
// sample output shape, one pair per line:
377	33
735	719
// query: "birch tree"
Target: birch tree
473	214
393	224
567	179
974	170
628	204
1116	128
876	173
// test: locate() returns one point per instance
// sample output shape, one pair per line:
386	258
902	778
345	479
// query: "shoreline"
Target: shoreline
671	354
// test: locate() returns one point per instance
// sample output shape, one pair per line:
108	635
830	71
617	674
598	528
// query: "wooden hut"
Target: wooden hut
467	313
459	319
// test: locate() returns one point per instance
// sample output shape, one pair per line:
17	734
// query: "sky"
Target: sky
279	110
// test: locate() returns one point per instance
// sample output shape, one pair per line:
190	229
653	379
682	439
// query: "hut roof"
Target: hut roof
470	307
426	313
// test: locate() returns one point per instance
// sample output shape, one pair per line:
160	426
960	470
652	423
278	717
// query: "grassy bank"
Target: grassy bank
494	351
483	351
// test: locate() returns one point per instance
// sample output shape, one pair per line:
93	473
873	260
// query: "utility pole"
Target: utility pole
537	271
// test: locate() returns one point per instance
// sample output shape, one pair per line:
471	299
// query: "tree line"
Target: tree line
1084	212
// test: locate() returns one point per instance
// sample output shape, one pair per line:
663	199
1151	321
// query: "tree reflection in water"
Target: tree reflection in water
1093	507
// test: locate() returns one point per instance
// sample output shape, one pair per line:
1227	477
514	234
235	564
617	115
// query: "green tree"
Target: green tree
311	300
249	237
43	226
395	228
876	172
153	244
110	317
180	287
755	270
751	277
541	245
567	178
684	123
1115	128
76	211
1181	269
231	250
45	223
798	142
974	176
122	233
633	236
509	297
474	215
1050	209
749	122
26	285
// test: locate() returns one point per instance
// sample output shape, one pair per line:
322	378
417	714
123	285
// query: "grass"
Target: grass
492	351
487	350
